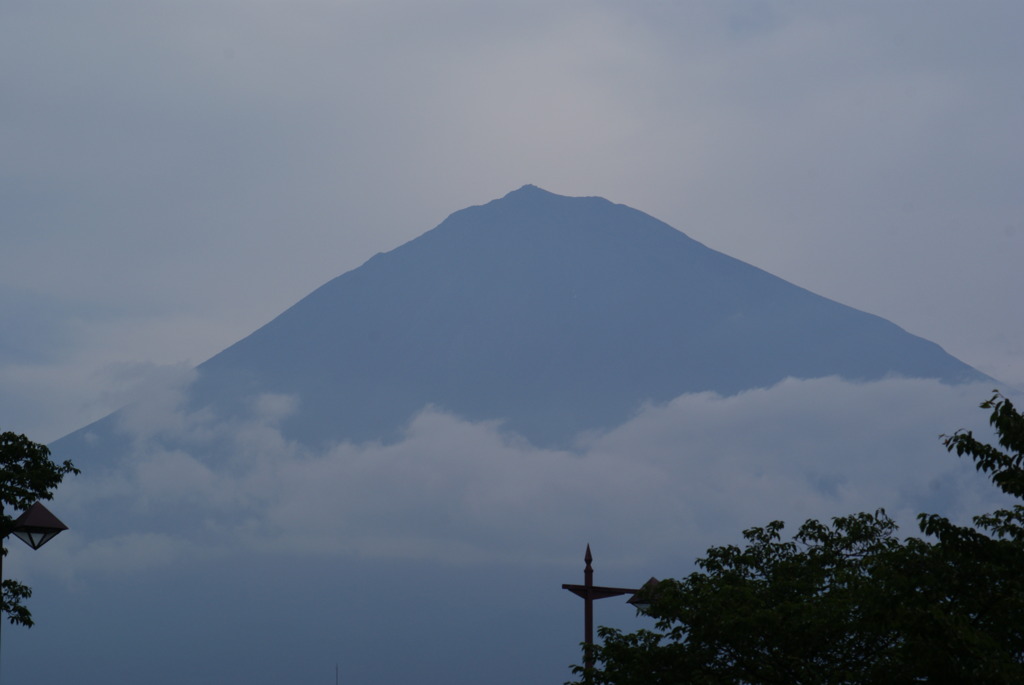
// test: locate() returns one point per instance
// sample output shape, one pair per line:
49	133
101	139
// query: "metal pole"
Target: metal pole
589	592
588	614
1	602
3	553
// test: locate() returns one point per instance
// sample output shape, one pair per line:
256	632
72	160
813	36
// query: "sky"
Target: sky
175	174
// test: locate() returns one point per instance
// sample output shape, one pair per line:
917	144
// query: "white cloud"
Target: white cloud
160	411
685	475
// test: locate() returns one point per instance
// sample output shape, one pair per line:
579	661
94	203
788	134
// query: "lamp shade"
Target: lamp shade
643	599
37	526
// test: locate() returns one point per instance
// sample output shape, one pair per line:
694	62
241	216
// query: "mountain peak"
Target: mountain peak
528	188
531	196
530	191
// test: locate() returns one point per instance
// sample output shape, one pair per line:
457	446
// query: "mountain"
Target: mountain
553	315
221	535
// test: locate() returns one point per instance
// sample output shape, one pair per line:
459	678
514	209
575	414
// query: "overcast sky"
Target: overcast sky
175	174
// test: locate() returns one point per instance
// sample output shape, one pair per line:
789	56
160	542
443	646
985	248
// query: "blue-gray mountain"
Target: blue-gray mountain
553	314
212	552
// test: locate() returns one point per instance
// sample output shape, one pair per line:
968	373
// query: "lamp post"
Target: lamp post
35	527
589	592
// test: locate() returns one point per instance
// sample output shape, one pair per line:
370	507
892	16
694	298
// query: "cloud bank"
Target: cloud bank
675	479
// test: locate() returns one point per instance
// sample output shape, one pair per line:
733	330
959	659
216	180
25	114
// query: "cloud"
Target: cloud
680	476
161	410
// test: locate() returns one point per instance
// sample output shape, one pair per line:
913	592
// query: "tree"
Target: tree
27	475
851	602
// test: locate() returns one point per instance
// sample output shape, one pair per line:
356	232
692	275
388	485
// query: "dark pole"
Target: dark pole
3	552
588	609
589	592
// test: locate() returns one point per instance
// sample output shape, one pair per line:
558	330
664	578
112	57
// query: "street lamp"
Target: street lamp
589	592
35	527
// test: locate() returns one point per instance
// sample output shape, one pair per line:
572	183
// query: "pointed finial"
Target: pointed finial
588	557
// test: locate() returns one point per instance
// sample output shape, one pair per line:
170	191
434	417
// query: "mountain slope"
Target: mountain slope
554	315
